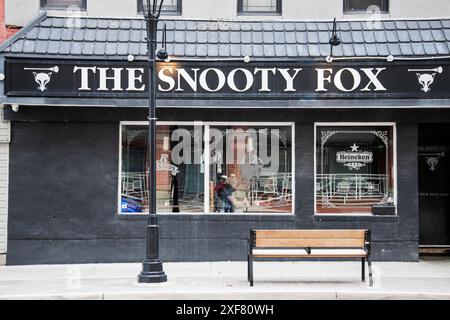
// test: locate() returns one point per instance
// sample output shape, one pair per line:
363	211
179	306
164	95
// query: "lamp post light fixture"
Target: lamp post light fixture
334	41
152	267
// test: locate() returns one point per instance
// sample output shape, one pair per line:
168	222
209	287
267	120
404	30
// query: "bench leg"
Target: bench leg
363	269
369	263
250	269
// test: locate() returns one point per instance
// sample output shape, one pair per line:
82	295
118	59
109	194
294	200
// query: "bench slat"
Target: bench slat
315	242
271	234
315	253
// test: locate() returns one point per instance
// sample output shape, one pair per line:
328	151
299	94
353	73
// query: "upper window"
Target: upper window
62	4
259	6
366	6
354	168
169	6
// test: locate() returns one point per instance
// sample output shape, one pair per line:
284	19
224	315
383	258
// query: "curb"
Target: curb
238	295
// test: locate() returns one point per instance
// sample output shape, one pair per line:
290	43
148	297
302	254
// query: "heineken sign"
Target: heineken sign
227	80
354	159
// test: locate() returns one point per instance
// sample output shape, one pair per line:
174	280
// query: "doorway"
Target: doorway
434	188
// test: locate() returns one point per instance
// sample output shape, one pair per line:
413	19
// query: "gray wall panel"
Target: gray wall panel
63	195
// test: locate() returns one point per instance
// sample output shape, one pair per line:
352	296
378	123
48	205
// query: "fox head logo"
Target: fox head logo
42	79
432	163
426	80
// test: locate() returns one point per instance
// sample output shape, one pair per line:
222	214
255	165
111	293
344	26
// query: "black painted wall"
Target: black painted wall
63	189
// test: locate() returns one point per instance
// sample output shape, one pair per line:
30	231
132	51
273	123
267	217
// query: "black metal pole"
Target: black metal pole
152	267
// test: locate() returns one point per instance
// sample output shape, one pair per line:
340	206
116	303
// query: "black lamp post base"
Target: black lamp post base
152	272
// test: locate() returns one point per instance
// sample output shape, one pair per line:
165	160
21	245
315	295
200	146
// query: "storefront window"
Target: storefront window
179	179
249	169
354	168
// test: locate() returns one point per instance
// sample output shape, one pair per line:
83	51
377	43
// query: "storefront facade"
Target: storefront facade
250	135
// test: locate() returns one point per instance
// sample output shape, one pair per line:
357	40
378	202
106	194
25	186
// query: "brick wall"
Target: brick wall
5	31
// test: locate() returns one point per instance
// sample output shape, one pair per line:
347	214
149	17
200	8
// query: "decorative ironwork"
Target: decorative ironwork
385	199
326	135
283	138
326	203
163	164
354	165
383	135
131	134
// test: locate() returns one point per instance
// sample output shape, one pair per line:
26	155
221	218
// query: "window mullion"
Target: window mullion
206	159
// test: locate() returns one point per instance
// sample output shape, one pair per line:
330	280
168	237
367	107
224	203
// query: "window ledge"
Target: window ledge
350	13
58	10
211	217
165	14
357	218
258	13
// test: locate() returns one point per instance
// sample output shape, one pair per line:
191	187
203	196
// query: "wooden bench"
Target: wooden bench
307	244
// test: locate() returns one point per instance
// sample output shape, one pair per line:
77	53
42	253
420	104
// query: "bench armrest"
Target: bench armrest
367	241
251	241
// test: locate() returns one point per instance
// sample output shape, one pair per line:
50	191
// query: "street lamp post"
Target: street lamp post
152	267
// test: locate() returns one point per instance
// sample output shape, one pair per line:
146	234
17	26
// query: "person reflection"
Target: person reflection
224	191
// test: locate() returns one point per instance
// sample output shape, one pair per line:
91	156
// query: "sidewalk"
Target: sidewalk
428	279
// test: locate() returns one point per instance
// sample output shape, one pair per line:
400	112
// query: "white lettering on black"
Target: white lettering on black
84	76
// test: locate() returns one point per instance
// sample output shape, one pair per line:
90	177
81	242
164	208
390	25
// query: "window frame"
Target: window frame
241	12
346	9
206	125
179	10
43	6
394	159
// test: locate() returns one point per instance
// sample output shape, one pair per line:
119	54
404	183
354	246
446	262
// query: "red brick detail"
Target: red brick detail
163	178
5	31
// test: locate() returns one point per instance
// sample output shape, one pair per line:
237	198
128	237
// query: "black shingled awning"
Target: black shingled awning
111	37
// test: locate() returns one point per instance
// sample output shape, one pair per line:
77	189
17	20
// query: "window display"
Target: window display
251	169
354	168
248	170
179	183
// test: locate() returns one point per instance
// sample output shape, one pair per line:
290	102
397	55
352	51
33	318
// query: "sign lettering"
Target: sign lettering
229	80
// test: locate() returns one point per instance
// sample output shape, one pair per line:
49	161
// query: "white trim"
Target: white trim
293	167
119	175
394	158
252	18
206	125
343	214
206	153
361	124
273	107
214	123
321	58
201	214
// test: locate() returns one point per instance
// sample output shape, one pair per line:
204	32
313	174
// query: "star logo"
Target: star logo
354	147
